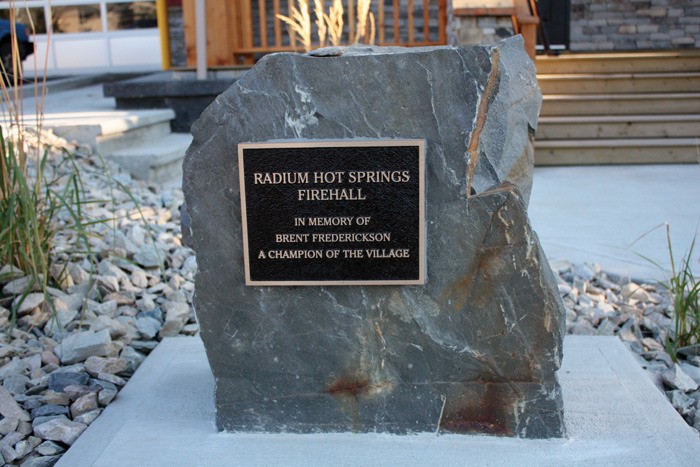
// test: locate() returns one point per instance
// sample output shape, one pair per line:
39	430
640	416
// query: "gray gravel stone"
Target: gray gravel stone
677	378
11	439
97	365
149	258
9	454
108	308
83	404
40	420
13	367
681	402
49	448
78	347
692	371
57	324
60	429
31	301
40	461
23	448
74	392
49	409
9	408
55	397
8	425
88	417
107	395
59	380
17	286
116	380
148	327
16	384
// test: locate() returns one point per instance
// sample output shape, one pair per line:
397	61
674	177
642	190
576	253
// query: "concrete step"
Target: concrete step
618	151
633	62
620	104
108	131
619	83
613	413
107	144
618	126
157	161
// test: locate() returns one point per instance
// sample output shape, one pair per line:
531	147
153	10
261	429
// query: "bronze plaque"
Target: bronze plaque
348	212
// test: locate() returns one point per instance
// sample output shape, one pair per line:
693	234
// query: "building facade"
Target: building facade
84	36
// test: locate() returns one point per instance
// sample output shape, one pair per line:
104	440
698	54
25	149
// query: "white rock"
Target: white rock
635	292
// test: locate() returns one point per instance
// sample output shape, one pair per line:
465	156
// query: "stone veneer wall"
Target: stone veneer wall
634	24
178	52
472	30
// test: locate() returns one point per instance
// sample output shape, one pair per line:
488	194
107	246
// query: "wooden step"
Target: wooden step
618	126
619	83
633	62
620	104
618	151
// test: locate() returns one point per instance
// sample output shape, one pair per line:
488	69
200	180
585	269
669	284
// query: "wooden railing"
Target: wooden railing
241	31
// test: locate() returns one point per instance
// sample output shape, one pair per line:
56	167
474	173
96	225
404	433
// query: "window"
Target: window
78	18
33	18
131	15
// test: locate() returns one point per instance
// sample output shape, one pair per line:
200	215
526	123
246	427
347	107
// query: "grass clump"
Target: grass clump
329	25
40	190
685	288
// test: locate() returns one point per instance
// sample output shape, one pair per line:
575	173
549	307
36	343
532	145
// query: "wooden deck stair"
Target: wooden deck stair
619	108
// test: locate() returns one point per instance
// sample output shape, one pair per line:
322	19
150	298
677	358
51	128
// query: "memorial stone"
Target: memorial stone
365	259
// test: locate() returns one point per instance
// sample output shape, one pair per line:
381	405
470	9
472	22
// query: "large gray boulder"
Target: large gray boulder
476	348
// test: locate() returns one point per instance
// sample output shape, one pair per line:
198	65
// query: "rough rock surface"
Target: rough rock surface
477	347
475	350
384	92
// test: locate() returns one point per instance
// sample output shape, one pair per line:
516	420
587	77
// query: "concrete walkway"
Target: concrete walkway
602	213
165	416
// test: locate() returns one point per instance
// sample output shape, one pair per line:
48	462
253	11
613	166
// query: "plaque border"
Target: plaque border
420	143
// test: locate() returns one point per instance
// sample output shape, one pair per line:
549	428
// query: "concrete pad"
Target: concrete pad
598	214
165	416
